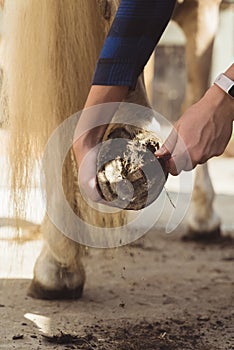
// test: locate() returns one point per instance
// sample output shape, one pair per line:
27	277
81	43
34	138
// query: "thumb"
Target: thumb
167	148
162	151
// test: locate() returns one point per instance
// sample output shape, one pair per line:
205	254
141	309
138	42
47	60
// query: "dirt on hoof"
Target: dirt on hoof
129	175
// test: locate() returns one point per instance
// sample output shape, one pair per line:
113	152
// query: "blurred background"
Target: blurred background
168	84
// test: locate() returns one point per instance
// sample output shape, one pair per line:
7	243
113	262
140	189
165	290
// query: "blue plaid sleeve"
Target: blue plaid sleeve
135	31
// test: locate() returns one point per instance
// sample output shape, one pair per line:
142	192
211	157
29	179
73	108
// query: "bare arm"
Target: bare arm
98	95
205	129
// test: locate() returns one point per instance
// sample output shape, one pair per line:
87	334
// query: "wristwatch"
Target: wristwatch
226	84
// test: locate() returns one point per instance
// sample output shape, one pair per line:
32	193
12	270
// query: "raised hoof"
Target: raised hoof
37	291
205	237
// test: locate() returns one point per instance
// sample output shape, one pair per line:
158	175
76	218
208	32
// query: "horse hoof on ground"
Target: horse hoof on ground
205	237
54	280
38	291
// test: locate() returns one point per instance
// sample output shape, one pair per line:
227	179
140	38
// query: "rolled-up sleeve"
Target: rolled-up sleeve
135	31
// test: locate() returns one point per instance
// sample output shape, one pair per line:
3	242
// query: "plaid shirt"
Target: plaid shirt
135	31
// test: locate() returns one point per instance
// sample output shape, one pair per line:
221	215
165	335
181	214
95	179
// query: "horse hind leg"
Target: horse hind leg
192	16
199	22
203	222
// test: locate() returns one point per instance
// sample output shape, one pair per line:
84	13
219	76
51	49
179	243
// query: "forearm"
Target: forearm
94	120
99	94
136	30
230	72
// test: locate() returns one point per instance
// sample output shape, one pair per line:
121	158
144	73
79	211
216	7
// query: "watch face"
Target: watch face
231	91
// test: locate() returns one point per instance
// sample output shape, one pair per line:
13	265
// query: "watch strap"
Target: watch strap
225	83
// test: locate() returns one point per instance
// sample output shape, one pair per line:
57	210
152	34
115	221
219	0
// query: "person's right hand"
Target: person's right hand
202	132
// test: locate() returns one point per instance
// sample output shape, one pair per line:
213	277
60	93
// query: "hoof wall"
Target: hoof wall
205	237
37	291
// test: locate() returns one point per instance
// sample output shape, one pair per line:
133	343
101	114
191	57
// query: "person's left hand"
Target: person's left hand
101	104
86	149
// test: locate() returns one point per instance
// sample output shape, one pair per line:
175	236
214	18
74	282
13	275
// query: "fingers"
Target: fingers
163	152
176	164
87	176
175	153
166	152
167	148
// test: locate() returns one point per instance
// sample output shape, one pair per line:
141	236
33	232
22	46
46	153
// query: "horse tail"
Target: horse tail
48	54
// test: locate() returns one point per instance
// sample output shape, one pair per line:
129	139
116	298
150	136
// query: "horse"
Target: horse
48	55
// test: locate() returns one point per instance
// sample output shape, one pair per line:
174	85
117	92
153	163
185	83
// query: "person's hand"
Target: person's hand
202	132
89	132
86	150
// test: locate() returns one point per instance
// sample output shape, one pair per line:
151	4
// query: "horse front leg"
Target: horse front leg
58	271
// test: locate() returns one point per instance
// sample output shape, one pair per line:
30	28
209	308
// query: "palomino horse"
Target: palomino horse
49	50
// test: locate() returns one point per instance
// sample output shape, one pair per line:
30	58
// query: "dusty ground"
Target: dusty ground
161	294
